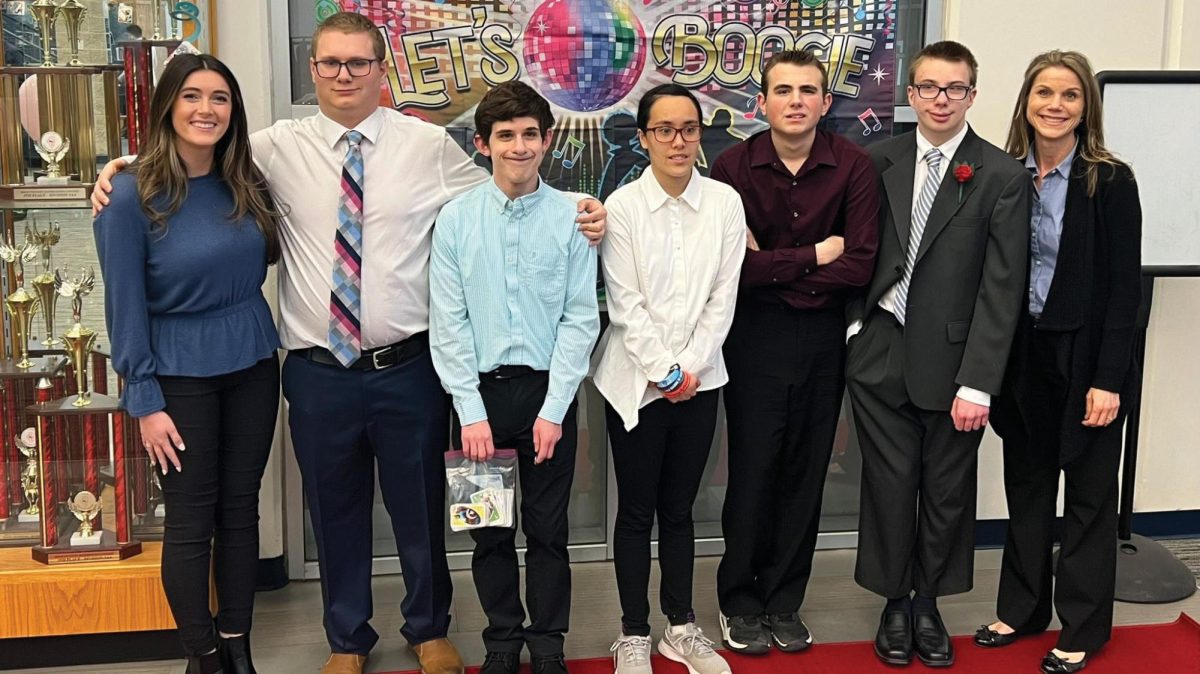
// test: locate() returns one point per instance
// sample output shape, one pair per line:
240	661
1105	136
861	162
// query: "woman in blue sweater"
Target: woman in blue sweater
184	248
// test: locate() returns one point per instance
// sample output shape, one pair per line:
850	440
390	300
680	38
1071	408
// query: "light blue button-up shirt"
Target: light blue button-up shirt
1045	232
511	283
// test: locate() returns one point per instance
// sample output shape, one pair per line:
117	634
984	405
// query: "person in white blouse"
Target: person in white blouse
671	258
362	185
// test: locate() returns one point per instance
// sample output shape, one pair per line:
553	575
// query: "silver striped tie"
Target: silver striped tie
933	158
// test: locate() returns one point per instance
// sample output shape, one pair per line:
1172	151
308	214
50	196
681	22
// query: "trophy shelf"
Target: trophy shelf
39	205
105	597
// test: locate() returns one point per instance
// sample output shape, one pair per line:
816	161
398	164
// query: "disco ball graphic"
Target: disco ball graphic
584	55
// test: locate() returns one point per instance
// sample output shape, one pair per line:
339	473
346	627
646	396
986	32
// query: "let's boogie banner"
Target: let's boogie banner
593	59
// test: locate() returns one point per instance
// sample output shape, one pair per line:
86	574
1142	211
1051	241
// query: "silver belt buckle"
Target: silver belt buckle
375	358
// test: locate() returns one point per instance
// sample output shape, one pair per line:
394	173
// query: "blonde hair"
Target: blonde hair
350	23
1090	132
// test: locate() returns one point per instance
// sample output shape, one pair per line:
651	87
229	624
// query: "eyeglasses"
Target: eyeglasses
356	67
666	134
954	92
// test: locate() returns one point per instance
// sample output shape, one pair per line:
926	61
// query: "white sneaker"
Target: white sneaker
687	645
631	655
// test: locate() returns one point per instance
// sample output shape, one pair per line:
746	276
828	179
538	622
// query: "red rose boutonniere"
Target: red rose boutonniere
963	173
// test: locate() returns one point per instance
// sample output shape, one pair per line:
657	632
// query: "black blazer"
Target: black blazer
969	278
1094	296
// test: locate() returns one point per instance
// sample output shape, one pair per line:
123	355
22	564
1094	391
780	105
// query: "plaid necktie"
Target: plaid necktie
345	302
933	158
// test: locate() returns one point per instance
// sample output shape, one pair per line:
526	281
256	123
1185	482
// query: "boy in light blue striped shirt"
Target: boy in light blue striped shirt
512	322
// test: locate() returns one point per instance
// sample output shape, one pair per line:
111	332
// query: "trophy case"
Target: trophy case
75	483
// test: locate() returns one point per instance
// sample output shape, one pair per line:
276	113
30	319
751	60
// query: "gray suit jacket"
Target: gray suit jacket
968	283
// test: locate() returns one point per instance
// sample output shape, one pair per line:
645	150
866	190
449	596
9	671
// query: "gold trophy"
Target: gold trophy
44	12
20	304
44	284
73	12
52	148
86	507
79	339
27	445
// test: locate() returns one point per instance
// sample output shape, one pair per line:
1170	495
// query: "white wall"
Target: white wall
1116	35
242	44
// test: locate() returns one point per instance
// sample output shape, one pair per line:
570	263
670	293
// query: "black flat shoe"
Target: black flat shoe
235	655
209	663
990	638
1052	664
894	640
931	641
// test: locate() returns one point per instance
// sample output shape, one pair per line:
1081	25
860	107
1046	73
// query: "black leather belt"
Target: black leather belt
507	372
371	359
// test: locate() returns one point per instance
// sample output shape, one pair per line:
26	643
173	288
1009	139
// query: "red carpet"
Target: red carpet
1172	648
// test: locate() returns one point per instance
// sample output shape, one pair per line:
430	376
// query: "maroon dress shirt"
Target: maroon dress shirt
836	191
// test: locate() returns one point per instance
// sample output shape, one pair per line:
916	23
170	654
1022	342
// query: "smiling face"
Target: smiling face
200	114
671	161
345	98
940	118
1055	105
516	148
794	100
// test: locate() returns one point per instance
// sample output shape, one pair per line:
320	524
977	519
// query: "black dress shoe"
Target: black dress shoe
496	662
990	638
1052	664
894	640
552	664
209	663
931	641
235	655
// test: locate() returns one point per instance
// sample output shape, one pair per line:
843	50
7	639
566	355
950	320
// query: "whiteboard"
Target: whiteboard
1152	121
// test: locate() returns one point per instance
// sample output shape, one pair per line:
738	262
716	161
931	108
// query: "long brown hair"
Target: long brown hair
1090	132
161	176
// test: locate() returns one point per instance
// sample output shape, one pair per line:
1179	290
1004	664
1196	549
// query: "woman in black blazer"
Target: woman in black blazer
1071	366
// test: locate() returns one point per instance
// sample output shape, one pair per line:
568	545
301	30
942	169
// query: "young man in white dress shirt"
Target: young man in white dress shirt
512	321
382	406
671	262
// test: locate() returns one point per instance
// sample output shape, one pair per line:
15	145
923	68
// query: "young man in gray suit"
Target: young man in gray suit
927	347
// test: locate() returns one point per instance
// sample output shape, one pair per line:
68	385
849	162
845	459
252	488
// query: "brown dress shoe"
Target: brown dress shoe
438	657
344	663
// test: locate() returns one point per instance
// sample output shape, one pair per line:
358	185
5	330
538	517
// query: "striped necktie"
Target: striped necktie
345	301
933	159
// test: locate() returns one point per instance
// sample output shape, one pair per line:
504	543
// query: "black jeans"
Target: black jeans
512	404
227	423
659	465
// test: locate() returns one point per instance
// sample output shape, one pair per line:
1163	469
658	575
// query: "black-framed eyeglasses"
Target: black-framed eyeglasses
356	67
666	134
954	92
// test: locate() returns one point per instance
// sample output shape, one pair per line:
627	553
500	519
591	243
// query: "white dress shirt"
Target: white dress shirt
410	170
671	268
888	301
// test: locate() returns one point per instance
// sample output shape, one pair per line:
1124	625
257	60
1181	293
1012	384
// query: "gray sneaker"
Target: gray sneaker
693	650
631	655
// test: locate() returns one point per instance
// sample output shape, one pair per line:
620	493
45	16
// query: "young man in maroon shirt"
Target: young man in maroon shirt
812	211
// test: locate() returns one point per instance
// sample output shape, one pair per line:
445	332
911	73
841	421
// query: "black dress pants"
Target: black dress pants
917	506
227	423
1086	572
658	465
512	402
786	380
